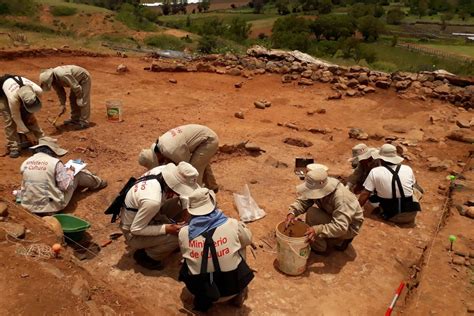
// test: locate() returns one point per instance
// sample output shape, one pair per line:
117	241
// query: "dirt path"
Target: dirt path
360	281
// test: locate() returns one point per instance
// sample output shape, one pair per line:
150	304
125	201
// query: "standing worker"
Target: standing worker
332	211
47	185
79	81
148	227
19	99
192	143
224	274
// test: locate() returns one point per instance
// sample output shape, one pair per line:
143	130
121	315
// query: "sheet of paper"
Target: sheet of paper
77	164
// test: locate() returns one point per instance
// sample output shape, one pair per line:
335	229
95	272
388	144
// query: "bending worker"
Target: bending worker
192	143
394	187
222	241
149	227
332	211
79	81
47	185
365	163
19	99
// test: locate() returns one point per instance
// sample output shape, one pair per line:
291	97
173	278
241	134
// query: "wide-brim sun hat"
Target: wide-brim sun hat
314	166
182	178
388	153
358	150
368	154
147	157
29	99
46	79
317	185
201	202
52	144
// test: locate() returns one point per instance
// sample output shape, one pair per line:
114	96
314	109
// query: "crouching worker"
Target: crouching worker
148	225
332	211
224	275
394	187
47	185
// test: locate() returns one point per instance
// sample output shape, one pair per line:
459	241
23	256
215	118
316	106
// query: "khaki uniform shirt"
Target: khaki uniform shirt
178	144
69	76
146	197
342	205
228	238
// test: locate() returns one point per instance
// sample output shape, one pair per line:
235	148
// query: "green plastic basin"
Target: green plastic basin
73	227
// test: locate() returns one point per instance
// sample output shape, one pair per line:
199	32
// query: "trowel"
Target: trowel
53	122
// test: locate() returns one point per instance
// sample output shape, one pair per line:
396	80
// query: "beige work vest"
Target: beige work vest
40	192
226	240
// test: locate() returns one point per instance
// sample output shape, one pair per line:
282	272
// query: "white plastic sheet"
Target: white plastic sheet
248	209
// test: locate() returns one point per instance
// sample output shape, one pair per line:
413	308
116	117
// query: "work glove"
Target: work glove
80	102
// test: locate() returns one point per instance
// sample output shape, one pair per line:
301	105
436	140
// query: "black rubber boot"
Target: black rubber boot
146	261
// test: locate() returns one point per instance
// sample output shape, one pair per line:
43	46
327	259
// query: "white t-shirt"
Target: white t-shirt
380	180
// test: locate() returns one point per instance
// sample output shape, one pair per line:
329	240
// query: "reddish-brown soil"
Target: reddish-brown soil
360	281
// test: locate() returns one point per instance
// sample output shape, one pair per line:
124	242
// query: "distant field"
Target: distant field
461	50
81	7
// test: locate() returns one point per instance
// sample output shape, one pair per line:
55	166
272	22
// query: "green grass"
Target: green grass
62	10
406	60
81	7
462	50
164	41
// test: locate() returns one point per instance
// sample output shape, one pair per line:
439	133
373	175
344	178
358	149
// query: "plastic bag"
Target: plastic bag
248	209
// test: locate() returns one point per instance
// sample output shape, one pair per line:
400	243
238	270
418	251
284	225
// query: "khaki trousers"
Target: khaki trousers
316	216
81	113
83	179
158	247
201	159
11	134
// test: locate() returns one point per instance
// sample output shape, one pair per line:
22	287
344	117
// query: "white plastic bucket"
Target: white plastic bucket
292	252
114	111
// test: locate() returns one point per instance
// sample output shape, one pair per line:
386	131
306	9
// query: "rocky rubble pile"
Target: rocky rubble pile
346	81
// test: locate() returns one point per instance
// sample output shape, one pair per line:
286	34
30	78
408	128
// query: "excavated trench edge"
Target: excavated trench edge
415	275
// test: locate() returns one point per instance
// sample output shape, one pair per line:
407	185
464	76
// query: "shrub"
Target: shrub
132	16
359	10
164	41
212	26
62	10
291	32
385	66
207	44
17	7
333	26
395	16
239	30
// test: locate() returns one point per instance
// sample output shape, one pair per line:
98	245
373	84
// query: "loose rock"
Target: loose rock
299	142
462	135
275	163
463	123
122	68
335	96
238	85
171	80
259	105
358	134
12	229
239	115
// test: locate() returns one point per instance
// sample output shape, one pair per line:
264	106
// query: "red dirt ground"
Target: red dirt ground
360	281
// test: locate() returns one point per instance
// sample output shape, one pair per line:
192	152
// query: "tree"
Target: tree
395	16
333	27
203	5
239	30
370	27
379	11
445	17
422	7
212	26
188	21
282	7
257	6
207	44
166	7
324	6
291	32
359	10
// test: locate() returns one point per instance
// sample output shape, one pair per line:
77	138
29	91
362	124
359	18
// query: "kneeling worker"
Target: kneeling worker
192	143
394	185
47	184
332	211
224	275
148	227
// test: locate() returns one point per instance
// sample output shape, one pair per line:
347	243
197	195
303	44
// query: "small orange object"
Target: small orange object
56	248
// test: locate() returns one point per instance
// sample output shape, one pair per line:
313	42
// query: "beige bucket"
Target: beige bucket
114	110
292	249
